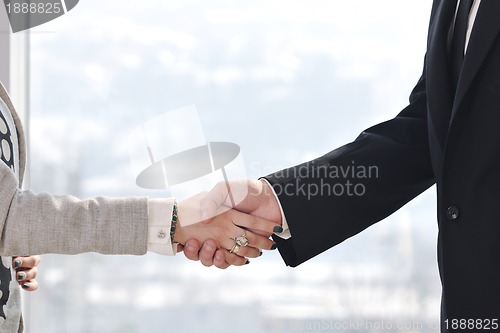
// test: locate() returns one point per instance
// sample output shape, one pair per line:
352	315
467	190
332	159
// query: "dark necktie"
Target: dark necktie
458	41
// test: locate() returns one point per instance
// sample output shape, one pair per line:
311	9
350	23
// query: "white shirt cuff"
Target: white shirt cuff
159	222
285	234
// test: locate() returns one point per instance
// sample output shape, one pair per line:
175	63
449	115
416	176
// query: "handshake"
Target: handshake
236	222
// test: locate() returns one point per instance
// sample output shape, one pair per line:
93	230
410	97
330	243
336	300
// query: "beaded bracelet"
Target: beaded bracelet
173	226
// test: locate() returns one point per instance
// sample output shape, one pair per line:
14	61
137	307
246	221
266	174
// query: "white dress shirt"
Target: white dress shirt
472	19
159	222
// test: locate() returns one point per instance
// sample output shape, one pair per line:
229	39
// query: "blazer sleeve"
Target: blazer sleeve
390	165
41	223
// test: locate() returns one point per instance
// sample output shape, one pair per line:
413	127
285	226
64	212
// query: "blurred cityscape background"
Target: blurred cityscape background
286	80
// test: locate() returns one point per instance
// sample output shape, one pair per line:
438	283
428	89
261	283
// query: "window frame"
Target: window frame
4	49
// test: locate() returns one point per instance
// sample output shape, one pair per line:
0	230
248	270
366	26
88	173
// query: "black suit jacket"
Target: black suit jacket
450	140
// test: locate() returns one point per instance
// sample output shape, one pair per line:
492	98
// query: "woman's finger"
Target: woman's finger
248	221
26	275
255	243
245	251
234	259
25	262
30	285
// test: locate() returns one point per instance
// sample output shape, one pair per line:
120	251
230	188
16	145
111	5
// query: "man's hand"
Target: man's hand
247	196
225	237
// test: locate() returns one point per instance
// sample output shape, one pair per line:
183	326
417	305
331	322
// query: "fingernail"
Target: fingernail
274	247
21	276
26	286
204	215
248	261
17	263
278	229
208	247
219	255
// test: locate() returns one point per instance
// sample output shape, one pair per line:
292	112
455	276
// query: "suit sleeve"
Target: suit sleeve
336	196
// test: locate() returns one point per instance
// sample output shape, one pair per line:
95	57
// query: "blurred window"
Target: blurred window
286	80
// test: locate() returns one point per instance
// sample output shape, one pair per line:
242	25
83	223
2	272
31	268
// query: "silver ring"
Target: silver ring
242	240
235	249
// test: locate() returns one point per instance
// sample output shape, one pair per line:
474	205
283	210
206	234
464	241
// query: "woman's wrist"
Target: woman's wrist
184	214
179	235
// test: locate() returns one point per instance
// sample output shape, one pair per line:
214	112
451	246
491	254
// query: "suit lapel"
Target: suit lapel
439	93
484	33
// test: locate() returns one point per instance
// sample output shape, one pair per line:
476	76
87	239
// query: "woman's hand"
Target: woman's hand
26	271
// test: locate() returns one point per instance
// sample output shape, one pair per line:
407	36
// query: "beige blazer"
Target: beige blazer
38	223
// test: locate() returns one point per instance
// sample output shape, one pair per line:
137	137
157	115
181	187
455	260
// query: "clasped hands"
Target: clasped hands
238	219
